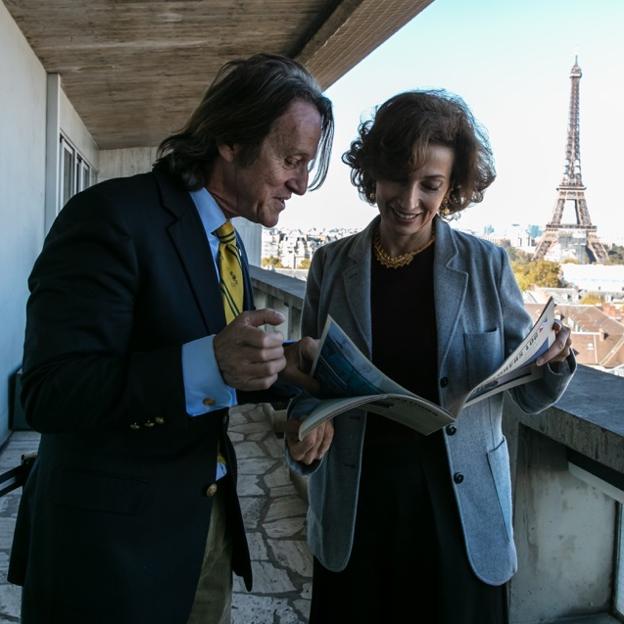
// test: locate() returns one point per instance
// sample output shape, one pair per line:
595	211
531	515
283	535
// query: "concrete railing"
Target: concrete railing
282	293
568	473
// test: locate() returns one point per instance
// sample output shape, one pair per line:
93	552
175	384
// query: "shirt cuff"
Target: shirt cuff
204	388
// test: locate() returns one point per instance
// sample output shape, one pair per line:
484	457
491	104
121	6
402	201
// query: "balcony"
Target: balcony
67	123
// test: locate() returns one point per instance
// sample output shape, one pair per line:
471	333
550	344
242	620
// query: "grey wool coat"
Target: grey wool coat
480	320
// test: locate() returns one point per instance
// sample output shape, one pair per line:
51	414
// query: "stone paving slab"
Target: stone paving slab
274	518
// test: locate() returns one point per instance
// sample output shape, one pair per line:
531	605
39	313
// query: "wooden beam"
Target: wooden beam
354	30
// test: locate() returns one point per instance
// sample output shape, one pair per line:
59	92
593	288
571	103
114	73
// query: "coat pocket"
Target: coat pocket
94	491
483	354
498	459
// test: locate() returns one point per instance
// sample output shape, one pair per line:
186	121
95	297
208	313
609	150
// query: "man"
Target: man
136	345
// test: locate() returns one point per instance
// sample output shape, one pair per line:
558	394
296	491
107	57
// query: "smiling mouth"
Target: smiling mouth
406	216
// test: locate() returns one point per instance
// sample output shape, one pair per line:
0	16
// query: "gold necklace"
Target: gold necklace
396	262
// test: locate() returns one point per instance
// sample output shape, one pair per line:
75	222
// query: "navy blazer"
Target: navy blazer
113	521
480	319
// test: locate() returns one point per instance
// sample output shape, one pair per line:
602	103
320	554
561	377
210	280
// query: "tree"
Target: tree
616	254
515	254
272	262
591	299
537	273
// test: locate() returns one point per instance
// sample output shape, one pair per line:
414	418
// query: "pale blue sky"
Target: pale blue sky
510	60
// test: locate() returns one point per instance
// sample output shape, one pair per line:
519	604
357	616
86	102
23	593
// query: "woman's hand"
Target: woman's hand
314	446
560	349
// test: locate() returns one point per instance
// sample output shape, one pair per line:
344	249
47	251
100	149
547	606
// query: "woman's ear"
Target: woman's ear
372	198
228	152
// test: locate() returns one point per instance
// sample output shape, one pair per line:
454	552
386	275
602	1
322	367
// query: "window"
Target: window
75	173
67	161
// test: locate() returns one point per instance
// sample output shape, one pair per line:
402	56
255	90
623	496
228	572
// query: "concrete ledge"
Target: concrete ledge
588	419
601	618
288	289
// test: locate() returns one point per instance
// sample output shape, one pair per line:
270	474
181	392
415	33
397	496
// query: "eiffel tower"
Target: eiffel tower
577	239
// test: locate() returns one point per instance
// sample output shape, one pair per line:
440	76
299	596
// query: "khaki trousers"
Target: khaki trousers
213	597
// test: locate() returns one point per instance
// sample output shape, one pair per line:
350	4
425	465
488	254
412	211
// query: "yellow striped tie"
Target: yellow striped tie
231	271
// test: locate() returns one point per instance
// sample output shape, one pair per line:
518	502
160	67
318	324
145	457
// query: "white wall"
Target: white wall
251	233
74	129
119	163
22	189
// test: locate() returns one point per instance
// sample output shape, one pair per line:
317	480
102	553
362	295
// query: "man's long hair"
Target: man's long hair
239	108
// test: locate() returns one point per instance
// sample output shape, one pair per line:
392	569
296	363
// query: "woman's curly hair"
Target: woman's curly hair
396	140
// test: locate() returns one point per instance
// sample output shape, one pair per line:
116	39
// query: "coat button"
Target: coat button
458	477
211	490
451	430
444	382
208	401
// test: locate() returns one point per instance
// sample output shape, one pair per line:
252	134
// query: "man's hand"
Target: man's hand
313	446
299	358
248	357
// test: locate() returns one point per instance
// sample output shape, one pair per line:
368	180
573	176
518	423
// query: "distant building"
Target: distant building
541	294
291	247
606	280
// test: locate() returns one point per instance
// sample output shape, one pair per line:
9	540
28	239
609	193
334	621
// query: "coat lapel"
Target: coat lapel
188	236
450	282
357	277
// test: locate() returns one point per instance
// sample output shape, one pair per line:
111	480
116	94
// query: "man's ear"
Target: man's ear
228	152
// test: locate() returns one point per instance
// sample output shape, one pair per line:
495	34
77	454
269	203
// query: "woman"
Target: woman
398	522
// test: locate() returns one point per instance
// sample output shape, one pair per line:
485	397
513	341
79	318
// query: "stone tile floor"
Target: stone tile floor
274	516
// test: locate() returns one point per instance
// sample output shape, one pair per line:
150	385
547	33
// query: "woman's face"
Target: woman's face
408	206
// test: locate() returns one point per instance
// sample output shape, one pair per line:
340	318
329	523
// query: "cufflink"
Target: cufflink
208	401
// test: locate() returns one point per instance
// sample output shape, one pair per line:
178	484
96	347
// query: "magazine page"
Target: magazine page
520	367
344	371
350	380
414	412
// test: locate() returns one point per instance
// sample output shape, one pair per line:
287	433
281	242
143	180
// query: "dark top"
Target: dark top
404	336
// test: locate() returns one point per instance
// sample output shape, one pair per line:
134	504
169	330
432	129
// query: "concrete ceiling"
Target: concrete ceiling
134	70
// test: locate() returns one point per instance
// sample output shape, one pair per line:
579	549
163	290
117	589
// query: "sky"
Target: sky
510	61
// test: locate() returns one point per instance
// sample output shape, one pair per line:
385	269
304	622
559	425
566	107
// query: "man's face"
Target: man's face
259	191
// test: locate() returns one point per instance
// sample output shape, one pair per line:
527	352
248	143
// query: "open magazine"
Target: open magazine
350	378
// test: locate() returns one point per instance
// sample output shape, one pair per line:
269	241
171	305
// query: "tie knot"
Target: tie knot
226	233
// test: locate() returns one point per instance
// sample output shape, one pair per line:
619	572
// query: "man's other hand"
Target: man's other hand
299	359
248	357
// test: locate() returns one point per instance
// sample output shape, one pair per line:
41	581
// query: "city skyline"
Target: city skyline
511	64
